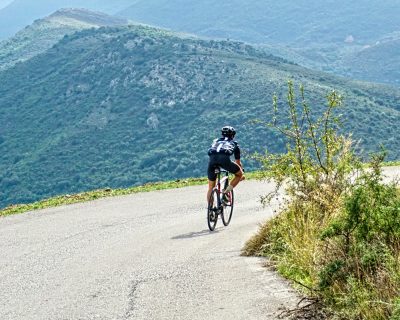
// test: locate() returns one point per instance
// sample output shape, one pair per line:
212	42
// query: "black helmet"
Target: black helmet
228	132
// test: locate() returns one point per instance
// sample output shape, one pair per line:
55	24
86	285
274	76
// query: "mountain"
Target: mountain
268	21
324	35
317	34
44	33
379	62
20	13
121	106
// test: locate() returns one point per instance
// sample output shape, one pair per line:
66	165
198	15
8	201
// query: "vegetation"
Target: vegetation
123	106
315	34
337	235
392	163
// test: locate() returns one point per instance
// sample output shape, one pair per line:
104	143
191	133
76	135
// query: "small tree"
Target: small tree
317	156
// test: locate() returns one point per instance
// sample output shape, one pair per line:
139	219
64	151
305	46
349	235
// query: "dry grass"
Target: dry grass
355	288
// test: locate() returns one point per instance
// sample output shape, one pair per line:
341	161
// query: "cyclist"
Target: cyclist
220	153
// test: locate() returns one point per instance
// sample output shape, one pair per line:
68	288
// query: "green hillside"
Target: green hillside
319	34
44	33
116	107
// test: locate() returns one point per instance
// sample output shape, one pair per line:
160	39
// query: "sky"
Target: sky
4	3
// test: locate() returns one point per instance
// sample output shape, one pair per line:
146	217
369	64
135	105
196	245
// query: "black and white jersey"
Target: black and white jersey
225	146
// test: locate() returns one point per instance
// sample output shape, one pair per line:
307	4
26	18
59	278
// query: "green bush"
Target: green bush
337	234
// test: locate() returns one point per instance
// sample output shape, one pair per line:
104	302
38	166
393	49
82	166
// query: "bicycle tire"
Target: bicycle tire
212	211
228	210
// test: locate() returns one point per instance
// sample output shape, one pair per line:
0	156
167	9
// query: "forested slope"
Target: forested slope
123	106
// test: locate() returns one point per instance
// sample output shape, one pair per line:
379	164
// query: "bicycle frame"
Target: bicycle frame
221	182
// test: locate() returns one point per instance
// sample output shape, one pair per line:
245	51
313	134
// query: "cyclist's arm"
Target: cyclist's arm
241	166
237	155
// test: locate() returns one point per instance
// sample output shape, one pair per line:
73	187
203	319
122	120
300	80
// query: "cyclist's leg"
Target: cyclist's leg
212	176
234	168
211	185
238	177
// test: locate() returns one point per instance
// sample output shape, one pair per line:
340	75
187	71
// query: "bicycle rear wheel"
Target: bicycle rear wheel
228	210
213	209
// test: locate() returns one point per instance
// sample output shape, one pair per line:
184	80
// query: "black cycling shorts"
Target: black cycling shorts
223	161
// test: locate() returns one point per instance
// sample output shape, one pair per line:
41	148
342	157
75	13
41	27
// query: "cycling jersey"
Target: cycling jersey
225	146
220	152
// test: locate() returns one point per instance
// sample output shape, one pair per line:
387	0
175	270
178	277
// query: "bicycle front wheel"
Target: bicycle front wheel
213	209
228	210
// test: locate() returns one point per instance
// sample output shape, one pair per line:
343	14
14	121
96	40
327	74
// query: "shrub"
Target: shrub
337	234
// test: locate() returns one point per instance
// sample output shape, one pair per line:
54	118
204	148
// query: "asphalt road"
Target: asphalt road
143	256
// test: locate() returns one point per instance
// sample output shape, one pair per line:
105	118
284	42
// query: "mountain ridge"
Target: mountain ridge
98	19
46	32
326	36
329	36
21	13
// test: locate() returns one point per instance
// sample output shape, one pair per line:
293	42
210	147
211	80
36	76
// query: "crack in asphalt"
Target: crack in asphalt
132	297
135	284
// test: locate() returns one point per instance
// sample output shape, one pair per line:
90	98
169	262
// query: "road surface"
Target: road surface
142	256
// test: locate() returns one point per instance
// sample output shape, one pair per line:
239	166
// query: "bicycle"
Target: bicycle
218	206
